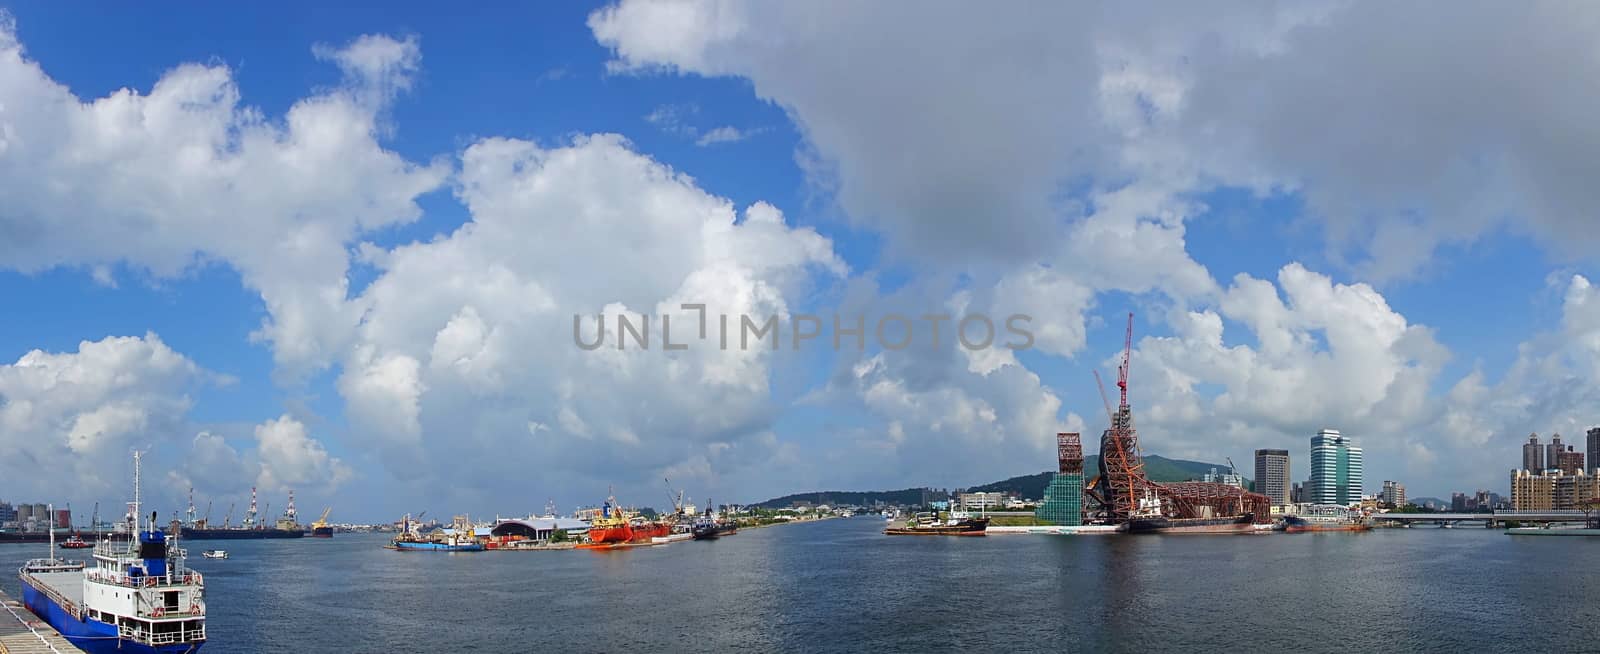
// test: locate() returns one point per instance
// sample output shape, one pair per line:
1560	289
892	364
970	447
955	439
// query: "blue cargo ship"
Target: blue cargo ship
138	598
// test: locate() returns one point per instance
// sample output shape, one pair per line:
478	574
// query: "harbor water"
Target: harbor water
840	585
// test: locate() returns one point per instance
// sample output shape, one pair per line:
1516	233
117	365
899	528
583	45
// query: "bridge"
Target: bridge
1490	520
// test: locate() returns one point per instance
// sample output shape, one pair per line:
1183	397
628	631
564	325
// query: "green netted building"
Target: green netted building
1063	500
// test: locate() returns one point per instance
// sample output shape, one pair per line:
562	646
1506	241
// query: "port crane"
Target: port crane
675	497
227	521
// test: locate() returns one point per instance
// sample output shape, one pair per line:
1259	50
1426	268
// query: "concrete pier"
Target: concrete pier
22	632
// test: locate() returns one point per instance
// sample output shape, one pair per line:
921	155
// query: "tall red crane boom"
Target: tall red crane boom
1122	370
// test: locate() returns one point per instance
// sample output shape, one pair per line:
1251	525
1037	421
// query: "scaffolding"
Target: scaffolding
1063	497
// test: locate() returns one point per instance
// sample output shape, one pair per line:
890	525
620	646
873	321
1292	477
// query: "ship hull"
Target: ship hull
606	535
1230	525
649	532
1295	525
437	547
965	528
91	635
240	534
322	532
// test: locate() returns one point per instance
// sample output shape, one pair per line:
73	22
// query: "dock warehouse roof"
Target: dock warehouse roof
533	527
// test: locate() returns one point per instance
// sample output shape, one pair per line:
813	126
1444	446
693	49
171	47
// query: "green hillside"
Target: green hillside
1158	468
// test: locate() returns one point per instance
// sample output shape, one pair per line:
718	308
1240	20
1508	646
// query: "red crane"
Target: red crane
1122	370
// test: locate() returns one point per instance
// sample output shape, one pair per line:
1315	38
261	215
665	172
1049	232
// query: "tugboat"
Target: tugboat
959	523
74	542
139	597
711	527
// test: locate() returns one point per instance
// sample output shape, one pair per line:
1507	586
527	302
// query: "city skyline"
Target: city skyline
345	255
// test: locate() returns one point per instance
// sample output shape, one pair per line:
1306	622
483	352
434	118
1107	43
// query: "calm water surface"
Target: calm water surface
840	585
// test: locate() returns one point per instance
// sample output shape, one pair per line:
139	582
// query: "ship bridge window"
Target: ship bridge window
155	550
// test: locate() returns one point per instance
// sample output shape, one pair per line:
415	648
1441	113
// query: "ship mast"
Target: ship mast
250	515
191	506
136	506
52	509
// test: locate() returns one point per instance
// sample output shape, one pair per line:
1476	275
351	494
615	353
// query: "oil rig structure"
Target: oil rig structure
1112	497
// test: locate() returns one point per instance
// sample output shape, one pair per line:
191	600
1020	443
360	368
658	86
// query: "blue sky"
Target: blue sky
382	328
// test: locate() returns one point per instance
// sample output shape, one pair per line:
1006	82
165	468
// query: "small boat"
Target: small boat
215	554
927	524
75	543
1326	517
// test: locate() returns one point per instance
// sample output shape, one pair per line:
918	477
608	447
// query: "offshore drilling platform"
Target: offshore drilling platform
1123	495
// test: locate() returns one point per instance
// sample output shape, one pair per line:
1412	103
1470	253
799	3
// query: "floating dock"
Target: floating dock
22	632
1556	531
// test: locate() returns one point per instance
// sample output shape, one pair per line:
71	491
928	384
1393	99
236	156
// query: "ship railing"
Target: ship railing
138	635
192	611
184	578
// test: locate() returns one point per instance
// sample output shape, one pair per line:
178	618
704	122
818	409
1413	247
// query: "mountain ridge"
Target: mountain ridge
1157	467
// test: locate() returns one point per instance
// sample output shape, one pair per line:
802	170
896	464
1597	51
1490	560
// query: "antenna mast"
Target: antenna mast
137	507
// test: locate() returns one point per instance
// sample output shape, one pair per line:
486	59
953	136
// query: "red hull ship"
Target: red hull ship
614	526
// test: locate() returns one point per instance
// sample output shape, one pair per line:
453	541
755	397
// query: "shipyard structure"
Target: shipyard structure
1121	494
1063	498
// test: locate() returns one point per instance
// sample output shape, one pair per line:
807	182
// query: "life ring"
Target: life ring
158	612
194	608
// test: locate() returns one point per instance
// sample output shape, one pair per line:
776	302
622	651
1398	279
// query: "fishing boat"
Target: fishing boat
957	523
215	554
1326	517
139	597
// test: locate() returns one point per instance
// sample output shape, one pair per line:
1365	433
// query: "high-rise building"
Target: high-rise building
1458	502
1594	450
1394	493
1272	475
1531	491
1552	490
1569	462
1227	478
1297	493
1552	452
1336	474
1533	454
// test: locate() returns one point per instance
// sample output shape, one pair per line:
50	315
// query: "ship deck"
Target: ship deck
22	632
68	585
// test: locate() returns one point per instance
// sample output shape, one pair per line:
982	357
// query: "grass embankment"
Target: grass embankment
1014	521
